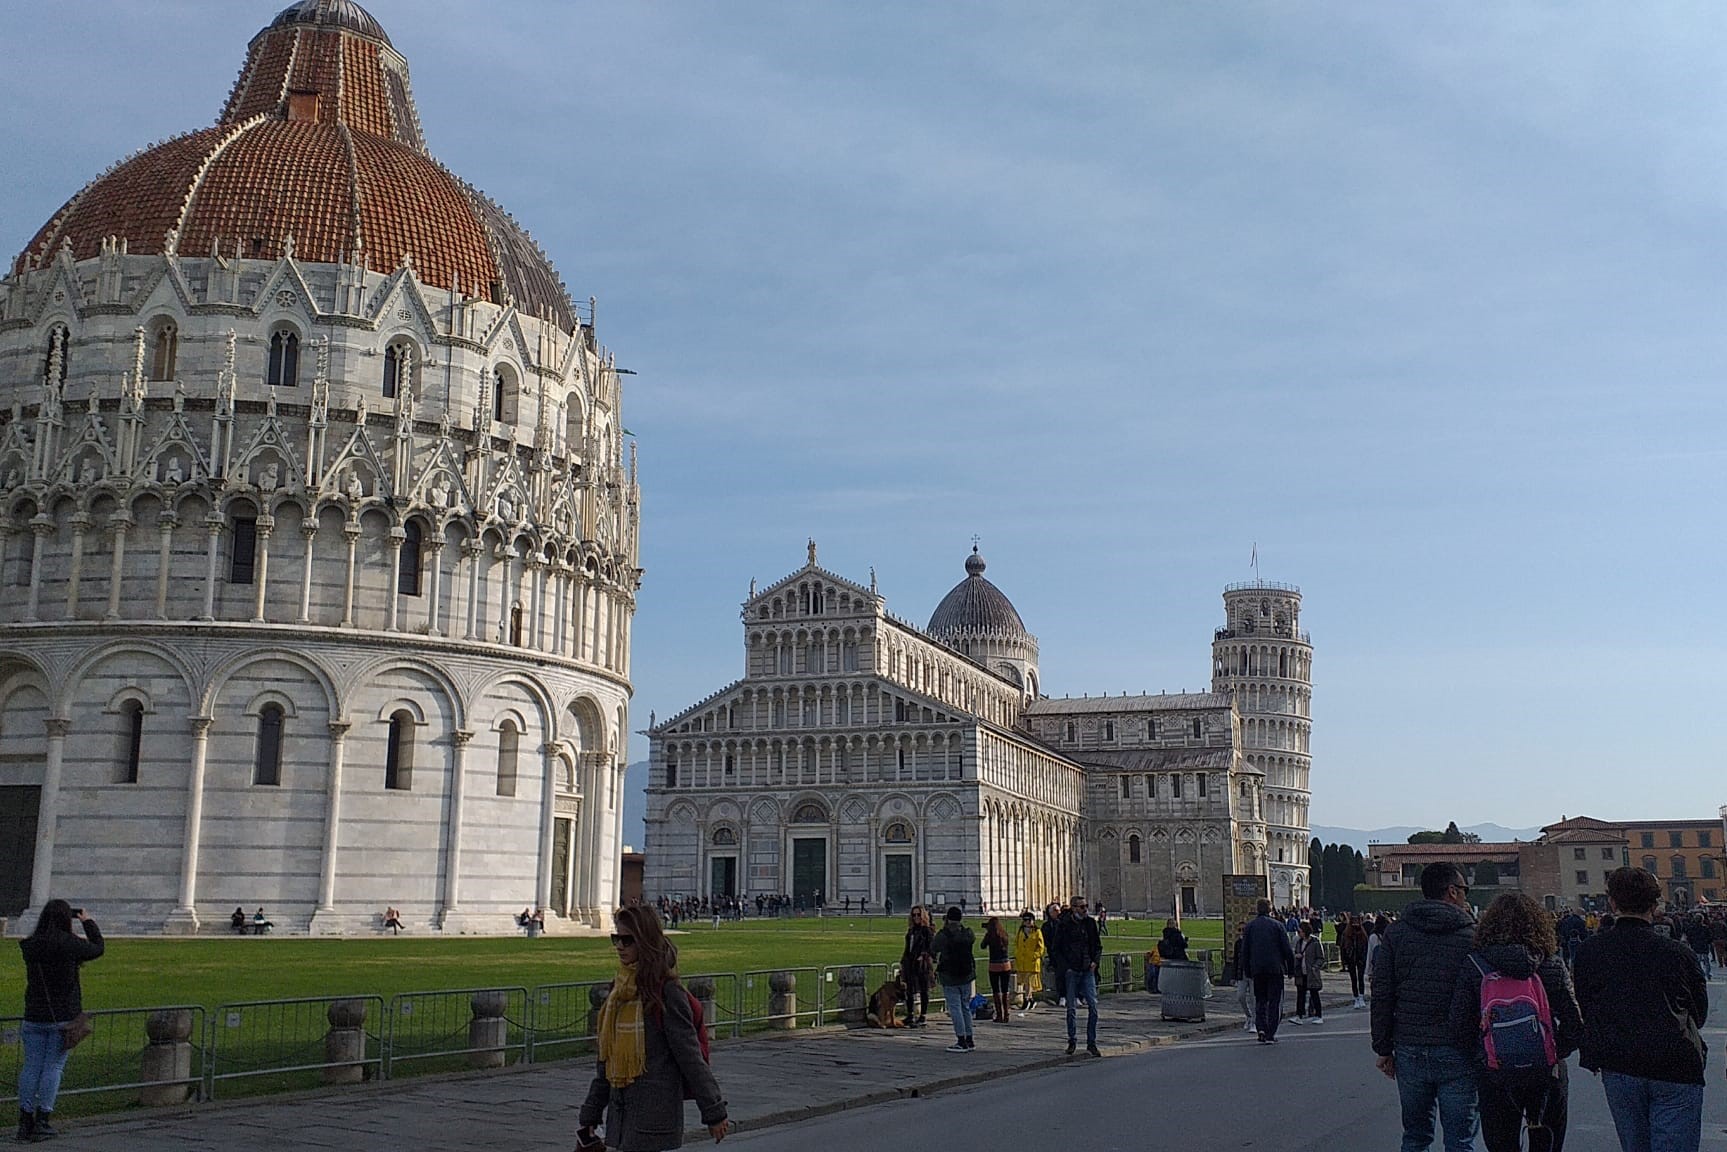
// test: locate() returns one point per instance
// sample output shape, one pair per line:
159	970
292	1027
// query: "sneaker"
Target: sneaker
1295	1019
957	1046
1091	1050
1070	1047
1317	1021
1263	1038
1249	1027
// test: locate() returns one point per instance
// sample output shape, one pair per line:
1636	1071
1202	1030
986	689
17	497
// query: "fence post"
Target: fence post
167	1063
488	1030
1123	972
345	1042
783	1001
853	999
702	988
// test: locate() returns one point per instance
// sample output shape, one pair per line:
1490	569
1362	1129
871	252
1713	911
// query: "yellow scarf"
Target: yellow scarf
623	1044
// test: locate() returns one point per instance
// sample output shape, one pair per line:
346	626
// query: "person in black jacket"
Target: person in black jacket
1414	978
1516	939
917	964
1265	956
1079	946
956	968
1644	1001
53	997
1173	946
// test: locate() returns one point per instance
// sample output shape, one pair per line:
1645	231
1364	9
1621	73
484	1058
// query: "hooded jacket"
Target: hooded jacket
1415	975
1519	963
1173	946
1643	1000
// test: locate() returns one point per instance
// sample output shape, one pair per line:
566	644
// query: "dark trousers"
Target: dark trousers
1268	1003
916	989
1505	1105
1306	1001
1357	985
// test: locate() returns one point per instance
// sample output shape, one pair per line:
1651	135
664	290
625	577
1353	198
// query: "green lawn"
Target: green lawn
143	972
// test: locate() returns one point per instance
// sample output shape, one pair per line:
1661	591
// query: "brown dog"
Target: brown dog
884	1004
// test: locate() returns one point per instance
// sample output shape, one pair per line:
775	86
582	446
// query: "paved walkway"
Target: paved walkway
768	1080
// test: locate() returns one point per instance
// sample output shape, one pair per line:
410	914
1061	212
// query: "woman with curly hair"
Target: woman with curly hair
1515	938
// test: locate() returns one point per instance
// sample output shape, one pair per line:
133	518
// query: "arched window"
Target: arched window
1198	726
809	814
399	752
284	369
1678	865
267	758
725	837
1133	849
398	367
509	743
243	550
408	565
131	741
503	394
164	350
1649	865
671	773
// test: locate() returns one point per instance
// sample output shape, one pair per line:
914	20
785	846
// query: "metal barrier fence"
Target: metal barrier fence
562	1018
873	977
478	1027
761	1003
155	1052
721	1013
339	1038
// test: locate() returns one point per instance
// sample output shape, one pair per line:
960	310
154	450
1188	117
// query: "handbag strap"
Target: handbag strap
46	994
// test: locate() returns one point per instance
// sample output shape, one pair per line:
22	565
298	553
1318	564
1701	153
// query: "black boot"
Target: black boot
44	1130
26	1126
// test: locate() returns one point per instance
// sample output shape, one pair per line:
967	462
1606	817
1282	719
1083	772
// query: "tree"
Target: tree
1487	874
1427	838
1451	835
1315	871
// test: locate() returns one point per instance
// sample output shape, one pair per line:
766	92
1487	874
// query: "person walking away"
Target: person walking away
1081	947
1572	931
649	1054
1028	954
1000	950
1172	945
1644	1003
917	964
1309	970
1697	938
1268	959
1243	981
1055	976
1352	951
1514	1011
53	999
1414	977
956	968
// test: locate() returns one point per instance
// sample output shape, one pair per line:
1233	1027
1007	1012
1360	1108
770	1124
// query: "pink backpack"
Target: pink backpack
1516	1024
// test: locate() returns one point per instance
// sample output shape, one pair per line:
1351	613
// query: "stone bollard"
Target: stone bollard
345	1042
1123	972
783	1000
702	988
488	1031
167	1058
854	996
596	998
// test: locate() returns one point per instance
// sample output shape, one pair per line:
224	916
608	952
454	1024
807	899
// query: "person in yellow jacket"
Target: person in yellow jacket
1028	952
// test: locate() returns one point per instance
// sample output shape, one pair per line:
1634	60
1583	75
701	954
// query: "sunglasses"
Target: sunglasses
621	941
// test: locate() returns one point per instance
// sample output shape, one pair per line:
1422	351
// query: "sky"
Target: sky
1422	302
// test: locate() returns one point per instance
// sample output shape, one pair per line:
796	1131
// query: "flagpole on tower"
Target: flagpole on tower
1255	561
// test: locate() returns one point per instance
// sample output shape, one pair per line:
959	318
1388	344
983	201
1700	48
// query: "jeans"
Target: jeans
958	997
1268	1004
1653	1115
1244	998
1082	984
44	1061
1429	1074
1506	1102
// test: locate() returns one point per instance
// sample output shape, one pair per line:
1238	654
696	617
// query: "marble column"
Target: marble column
165	524
351	530
398	534
434	609
332	827
548	766
261	577
121	524
184	918
308	532
213	529
48	813
459	741
80	525
43	527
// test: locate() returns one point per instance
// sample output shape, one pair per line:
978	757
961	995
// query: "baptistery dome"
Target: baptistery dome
318	531
977	619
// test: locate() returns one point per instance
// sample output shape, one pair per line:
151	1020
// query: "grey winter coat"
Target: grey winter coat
648	1114
1310	964
1415	975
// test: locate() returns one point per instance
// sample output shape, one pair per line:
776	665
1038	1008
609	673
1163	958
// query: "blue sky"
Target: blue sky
1422	299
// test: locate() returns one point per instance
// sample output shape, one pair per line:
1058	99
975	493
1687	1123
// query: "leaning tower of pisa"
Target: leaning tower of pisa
1262	657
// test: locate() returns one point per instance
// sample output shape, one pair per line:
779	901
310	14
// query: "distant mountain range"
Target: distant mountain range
1360	838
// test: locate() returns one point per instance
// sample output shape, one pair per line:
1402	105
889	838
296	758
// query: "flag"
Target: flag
1255	560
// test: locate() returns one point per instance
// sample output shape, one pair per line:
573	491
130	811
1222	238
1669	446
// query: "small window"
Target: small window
503	395
1198	727
1202	782
1583	879
1127	787
516	625
1675	839
1175	785
1679	867
1649	865
1070	731
284	368
398	368
1150	787
1705	838
243	551
509	744
267	757
399	753
164	351
1151	729
131	741
671	773
1109	729
1707	867
1607	853
408	564
1579	853
1133	849
725	837
731	764
1648	839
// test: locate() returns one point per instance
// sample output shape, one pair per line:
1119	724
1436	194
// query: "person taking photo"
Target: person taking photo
53	1001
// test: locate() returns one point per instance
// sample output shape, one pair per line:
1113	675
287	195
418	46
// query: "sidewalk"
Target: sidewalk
768	1080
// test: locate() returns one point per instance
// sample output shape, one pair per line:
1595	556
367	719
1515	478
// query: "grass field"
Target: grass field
138	973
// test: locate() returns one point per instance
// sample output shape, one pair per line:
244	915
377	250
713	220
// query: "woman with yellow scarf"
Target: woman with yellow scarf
649	1052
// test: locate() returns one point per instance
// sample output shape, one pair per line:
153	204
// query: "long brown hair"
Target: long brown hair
1514	918
992	933
656	956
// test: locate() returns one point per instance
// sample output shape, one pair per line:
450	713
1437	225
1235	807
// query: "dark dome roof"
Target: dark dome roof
976	607
319	142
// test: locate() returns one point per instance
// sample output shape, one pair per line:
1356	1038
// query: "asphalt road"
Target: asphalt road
1316	1089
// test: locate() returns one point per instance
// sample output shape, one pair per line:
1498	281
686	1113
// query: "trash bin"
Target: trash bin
1182	983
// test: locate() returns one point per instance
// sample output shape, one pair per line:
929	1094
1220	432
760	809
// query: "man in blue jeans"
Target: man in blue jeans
1079	947
1414	975
1644	1002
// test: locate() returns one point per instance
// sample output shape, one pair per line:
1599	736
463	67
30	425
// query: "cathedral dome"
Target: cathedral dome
318	153
976	607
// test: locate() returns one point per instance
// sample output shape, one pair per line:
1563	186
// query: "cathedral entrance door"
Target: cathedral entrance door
896	879
809	871
723	876
1189	901
561	835
17	846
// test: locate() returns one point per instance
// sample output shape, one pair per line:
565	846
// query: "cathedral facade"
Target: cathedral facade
862	758
317	535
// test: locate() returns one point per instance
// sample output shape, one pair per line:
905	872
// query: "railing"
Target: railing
286	1041
148	1051
766	1000
563	1017
721	1011
830	1008
430	1027
1262	586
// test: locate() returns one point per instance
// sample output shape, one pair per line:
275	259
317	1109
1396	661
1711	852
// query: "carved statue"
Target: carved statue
506	508
175	475
12	478
356	490
269	479
440	493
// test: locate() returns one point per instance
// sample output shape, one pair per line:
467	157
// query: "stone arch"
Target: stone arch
588	725
74	676
227	670
453	695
